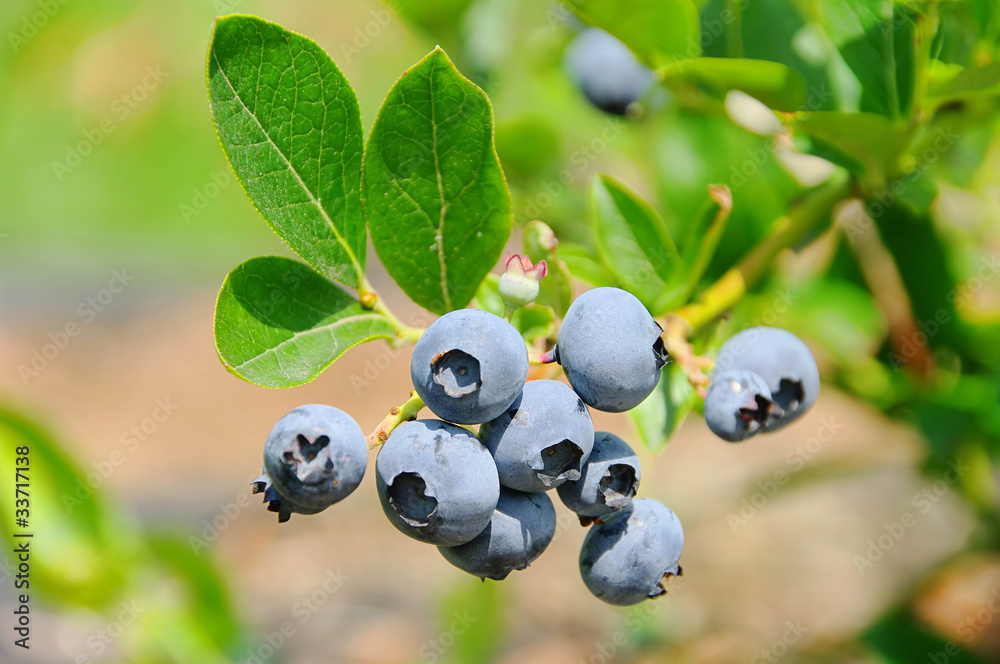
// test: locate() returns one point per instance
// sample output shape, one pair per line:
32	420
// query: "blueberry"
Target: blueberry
626	559
437	482
608	480
469	366
738	404
542	440
522	526
314	457
785	364
610	349
606	71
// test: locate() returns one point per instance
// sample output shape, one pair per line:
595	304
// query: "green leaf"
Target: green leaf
658	31
968	83
866	144
582	265
280	324
438	208
923	263
663	411
876	42
291	128
533	321
901	638
83	551
478	606
631	239
691	151
774	84
777	31
701	240
206	597
488	296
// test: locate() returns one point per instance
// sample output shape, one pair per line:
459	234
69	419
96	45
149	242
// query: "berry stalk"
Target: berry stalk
370	299
406	412
786	232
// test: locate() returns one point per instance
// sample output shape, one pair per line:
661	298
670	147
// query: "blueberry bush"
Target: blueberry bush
661	211
867	106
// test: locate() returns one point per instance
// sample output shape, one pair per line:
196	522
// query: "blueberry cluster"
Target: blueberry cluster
764	378
481	498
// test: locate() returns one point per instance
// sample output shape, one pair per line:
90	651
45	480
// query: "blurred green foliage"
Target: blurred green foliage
88	555
899	99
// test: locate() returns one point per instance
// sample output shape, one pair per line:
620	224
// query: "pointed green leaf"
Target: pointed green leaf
658	31
280	324
583	266
969	82
875	38
88	548
631	239
866	144
291	128
701	240
437	203
776	85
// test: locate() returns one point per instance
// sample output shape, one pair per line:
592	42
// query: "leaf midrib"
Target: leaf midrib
439	237
298	178
297	335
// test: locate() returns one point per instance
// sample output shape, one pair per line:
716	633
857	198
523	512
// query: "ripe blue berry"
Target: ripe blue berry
738	404
542	440
785	364
314	457
469	366
522	526
626	559
608	480
610	349
437	482
606	71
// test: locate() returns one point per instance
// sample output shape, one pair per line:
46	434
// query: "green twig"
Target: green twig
407	412
370	300
786	232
